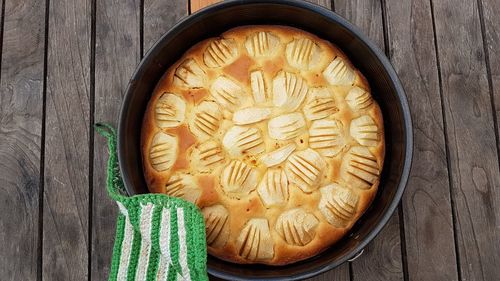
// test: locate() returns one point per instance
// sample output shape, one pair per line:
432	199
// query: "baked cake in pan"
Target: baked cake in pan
274	134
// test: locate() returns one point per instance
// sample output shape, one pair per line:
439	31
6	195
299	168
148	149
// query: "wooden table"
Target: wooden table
65	64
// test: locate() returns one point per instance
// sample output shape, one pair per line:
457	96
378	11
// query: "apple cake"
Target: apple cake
273	134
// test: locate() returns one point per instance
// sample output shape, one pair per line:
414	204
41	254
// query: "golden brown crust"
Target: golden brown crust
317	188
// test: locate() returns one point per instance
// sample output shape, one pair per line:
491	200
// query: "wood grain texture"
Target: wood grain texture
324	3
382	258
200	4
365	14
340	273
66	191
117	53
21	119
473	158
196	5
491	31
159	17
426	203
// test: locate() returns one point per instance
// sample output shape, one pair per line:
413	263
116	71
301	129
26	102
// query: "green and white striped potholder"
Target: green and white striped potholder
158	237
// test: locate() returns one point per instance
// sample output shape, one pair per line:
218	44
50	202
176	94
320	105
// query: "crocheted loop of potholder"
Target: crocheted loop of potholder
158	237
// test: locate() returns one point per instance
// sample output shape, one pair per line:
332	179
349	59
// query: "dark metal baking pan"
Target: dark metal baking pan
368	58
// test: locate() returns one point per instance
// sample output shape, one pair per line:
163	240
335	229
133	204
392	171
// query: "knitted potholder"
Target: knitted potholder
158	237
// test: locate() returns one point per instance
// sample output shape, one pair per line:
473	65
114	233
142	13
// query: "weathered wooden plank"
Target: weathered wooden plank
324	3
428	224
473	159
196	5
66	189
341	273
21	119
365	14
491	31
491	34
199	4
159	16
382	259
117	53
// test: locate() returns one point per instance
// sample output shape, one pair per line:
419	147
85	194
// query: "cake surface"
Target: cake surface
273	134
